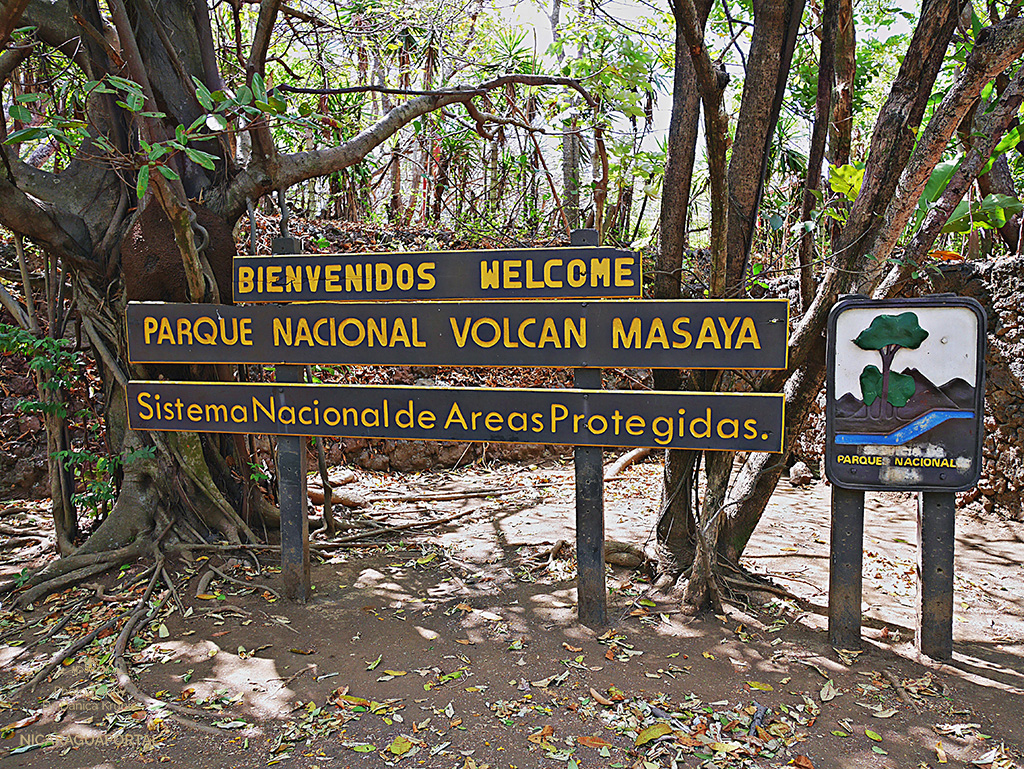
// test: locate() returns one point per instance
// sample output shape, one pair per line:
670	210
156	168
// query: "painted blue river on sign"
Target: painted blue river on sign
919	426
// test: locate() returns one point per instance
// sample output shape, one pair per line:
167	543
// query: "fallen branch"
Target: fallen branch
907	699
446	496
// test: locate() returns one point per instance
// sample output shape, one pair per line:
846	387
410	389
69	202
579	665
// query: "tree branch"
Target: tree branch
996	49
266	174
10	15
711	82
990	129
263	142
891	144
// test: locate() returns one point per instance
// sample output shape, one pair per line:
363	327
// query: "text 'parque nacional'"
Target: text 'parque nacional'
741	334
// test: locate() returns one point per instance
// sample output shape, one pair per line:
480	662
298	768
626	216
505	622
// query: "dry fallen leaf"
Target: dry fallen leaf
600	698
593	742
940	753
803	762
829	691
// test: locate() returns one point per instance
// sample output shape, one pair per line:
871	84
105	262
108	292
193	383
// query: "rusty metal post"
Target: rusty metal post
845	568
936	526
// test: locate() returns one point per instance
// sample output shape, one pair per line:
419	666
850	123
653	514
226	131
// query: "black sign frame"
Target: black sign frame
855	471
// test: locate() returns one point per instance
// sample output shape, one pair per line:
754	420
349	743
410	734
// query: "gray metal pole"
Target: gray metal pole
291	482
844	578
936	527
592	607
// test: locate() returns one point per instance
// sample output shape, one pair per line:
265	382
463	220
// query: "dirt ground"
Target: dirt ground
459	648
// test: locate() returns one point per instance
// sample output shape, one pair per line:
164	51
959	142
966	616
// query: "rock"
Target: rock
341	476
346	497
629	560
800	474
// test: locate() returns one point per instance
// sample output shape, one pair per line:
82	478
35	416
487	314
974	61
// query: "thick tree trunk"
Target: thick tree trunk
776	25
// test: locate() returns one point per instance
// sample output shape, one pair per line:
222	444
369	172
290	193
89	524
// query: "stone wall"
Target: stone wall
23	465
998	286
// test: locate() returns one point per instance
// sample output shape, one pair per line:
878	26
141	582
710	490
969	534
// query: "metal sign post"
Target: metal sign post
291	481
592	597
904	410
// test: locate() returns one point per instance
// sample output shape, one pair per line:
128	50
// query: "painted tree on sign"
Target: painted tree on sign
888	334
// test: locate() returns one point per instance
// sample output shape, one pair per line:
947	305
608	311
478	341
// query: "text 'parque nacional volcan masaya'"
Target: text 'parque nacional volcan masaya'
547	273
740	422
740	334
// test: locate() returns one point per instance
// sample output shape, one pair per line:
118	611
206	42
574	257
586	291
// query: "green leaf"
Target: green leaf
363	748
846	180
205	159
652	732
26	135
259	88
203	94
18	112
400	746
143	182
244	95
168	173
873	735
373	665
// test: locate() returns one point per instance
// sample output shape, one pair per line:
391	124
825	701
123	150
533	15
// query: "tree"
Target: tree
889	334
701	534
149	140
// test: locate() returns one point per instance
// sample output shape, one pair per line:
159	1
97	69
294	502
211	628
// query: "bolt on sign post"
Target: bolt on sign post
508	317
904	412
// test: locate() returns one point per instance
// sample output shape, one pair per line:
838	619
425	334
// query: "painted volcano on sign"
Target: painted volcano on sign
880	422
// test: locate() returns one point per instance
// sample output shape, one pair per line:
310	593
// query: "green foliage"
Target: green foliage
870	384
901	389
846	180
61	365
901	330
991	213
95	473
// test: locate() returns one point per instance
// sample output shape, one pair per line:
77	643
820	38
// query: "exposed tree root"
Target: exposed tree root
243	583
73	648
73	568
124	680
68	579
626	460
56	628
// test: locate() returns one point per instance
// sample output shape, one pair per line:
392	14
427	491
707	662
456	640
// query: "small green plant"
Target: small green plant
95	472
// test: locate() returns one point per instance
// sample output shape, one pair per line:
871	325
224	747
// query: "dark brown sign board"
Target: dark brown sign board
739	334
717	421
542	273
905	393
